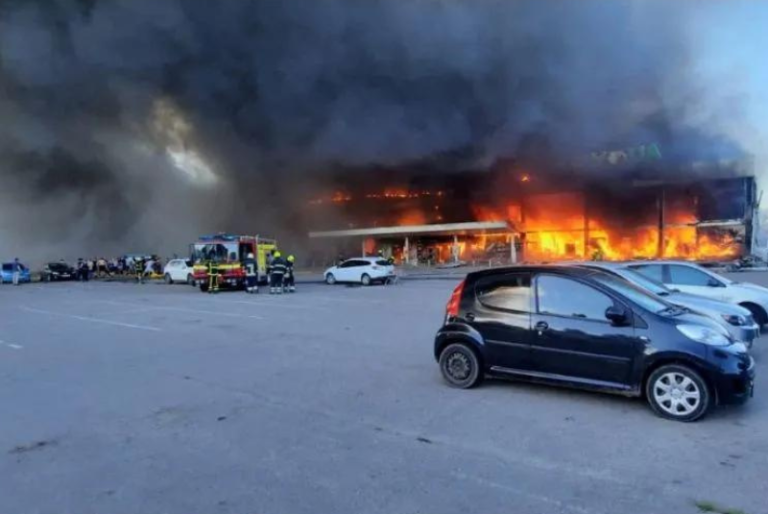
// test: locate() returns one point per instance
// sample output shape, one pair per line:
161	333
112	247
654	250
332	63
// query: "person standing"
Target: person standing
277	273
290	281
251	275
16	271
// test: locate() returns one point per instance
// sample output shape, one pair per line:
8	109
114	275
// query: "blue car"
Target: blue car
7	273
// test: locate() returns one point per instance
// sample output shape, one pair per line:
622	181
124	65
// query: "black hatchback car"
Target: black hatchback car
55	271
585	328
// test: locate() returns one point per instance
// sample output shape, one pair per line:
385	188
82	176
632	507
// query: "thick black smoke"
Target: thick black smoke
271	92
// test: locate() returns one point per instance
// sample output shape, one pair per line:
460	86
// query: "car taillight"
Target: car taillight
452	309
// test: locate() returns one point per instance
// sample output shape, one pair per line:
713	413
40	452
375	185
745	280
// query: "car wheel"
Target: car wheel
677	392
330	279
204	287
757	313
168	279
190	280
460	366
366	279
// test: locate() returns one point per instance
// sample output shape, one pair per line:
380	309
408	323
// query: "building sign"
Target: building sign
632	155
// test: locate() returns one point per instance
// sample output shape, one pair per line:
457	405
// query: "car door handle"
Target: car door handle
541	326
470	316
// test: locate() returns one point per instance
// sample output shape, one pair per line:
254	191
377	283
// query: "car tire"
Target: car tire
190	280
757	312
168	279
330	279
678	392
204	287
365	279
460	366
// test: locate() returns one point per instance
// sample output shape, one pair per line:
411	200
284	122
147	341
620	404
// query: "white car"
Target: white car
178	270
361	270
690	278
736	319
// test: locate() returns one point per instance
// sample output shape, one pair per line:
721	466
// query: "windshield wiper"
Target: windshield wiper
671	310
663	293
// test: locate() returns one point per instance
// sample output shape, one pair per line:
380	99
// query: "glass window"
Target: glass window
509	292
7	267
652	271
632	292
566	297
687	276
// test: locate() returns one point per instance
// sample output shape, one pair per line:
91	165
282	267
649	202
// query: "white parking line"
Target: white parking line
11	345
90	319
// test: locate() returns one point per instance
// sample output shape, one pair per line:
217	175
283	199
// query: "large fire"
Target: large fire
553	226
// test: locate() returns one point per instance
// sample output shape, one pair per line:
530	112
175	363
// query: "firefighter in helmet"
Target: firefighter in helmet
251	275
277	274
214	273
289	281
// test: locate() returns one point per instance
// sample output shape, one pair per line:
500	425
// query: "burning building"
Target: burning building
701	212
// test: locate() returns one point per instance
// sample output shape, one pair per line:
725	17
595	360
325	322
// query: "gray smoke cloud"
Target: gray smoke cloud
134	125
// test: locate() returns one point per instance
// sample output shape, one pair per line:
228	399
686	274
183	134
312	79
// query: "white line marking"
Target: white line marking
92	320
14	346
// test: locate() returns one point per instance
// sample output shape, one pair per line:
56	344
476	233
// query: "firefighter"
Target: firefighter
138	269
290	281
251	275
213	276
277	273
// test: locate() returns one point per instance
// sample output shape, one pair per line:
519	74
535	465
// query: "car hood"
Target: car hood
752	288
701	319
706	305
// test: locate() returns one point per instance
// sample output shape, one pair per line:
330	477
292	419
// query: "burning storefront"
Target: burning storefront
502	216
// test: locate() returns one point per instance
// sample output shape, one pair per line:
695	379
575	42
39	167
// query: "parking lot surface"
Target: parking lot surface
121	398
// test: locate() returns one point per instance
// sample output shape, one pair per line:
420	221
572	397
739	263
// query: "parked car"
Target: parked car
587	329
55	271
736	319
7	273
361	270
690	278
178	270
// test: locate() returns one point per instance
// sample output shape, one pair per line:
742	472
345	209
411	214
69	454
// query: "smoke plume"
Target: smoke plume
134	125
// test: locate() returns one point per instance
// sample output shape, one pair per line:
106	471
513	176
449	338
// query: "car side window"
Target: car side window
508	292
653	271
351	264
565	297
687	276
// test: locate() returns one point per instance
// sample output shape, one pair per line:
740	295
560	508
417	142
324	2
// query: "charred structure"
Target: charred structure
704	213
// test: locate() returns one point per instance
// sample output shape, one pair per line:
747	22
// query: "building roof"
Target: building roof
406	230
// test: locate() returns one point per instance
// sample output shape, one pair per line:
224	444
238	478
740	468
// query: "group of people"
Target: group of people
100	267
280	273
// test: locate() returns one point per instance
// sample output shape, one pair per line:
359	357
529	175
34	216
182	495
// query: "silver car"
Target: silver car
737	320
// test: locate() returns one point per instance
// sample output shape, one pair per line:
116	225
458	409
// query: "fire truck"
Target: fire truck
228	252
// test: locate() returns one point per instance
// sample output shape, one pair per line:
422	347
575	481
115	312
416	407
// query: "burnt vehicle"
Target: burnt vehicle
587	329
56	271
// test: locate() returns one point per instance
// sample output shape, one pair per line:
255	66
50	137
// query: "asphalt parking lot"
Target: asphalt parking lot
121	398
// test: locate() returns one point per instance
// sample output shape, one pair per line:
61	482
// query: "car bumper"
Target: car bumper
738	386
747	335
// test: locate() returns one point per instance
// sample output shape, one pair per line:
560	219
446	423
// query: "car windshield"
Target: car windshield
57	266
215	252
646	283
634	293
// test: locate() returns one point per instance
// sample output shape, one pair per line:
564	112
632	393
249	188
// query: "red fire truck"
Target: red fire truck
228	252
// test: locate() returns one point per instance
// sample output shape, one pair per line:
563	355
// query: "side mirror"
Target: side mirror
714	283
616	315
